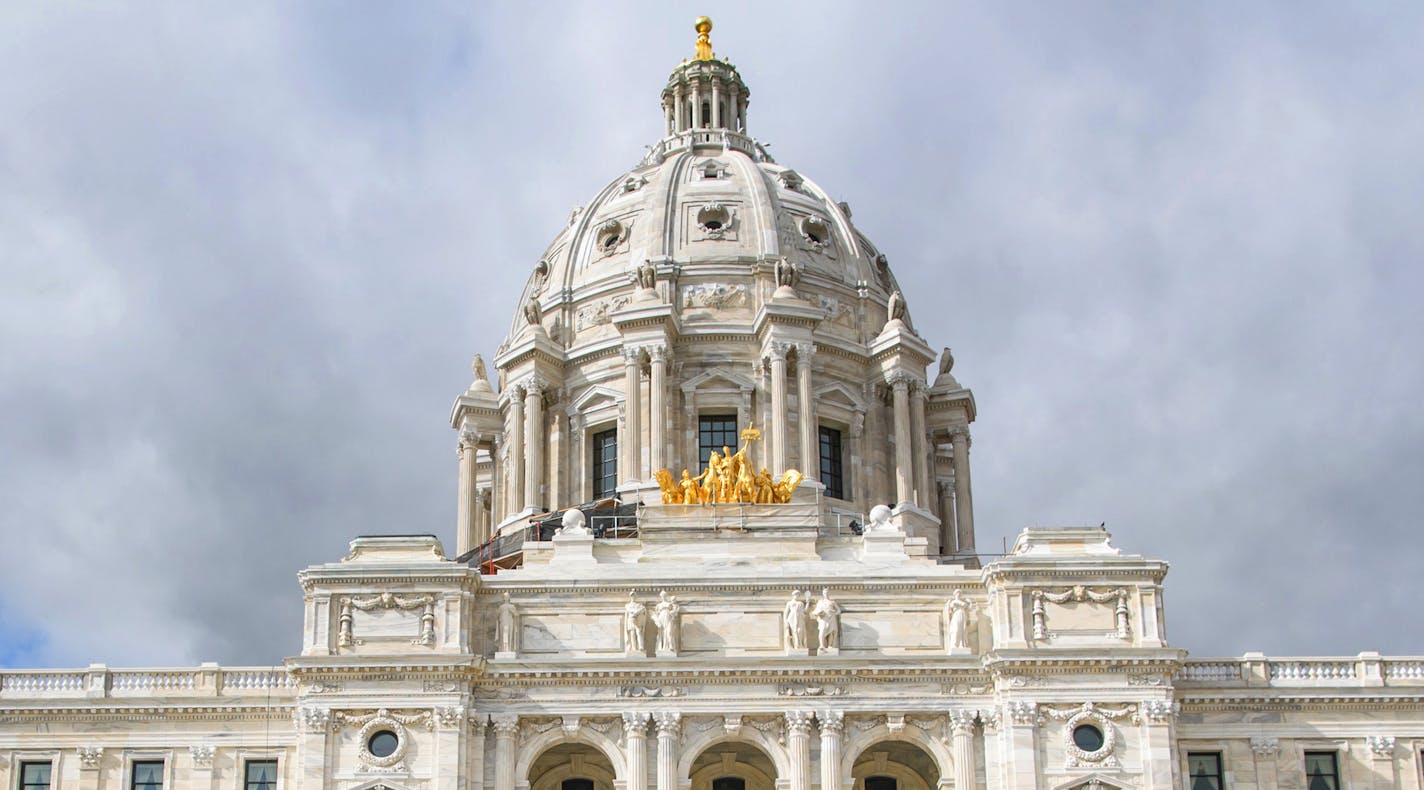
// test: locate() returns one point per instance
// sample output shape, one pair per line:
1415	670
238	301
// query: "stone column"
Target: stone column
668	724
1265	749
963	503
635	732
516	448
716	105
961	723
680	110
919	446
506	727
948	540
497	484
475	751
832	727
534	444
631	470
777	354
798	748
657	413
467	505
904	445
806	412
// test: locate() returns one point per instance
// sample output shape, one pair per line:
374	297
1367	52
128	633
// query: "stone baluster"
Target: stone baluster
798	748
506	728
631	469
961	724
534	444
467	506
806	412
516	448
963	503
777	354
899	382
657	417
635	733
832	728
669	724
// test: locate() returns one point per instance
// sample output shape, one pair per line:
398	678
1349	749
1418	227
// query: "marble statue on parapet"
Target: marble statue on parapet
828	621
533	312
635	619
956	618
666	615
794	616
880	519
946	361
896	306
508	639
788	273
646	276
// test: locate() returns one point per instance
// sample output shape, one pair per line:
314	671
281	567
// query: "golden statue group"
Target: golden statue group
729	478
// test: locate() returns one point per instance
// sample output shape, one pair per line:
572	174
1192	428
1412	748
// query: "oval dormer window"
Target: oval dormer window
816	231
714	217
611	234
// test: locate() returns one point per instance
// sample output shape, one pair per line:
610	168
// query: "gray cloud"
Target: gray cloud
247	254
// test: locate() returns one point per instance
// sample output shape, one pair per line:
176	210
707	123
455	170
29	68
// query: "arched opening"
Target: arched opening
895	765
733	765
571	766
706	114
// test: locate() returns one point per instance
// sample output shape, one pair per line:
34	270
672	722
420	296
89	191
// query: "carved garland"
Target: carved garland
345	638
1079	594
382	721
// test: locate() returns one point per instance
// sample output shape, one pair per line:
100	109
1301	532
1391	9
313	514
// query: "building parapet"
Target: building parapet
100	682
1255	670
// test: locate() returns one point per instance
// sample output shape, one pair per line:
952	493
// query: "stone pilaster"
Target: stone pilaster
919	444
899	382
467	506
631	467
798	748
669	724
961	723
635	735
806	412
534	444
506	730
516	450
832	730
963	499
777	356
657	396
1266	750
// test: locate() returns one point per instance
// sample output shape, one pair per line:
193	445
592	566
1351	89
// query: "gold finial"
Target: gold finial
703	26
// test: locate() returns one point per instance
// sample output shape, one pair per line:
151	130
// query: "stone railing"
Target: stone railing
98	681
1255	670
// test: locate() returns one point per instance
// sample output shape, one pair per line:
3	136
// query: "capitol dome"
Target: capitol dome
724	291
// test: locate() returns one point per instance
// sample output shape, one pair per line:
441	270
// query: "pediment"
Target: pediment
841	395
594	398
718	378
1094	782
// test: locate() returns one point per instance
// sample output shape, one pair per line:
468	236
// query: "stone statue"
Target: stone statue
478	366
788	273
956	618
946	361
880	519
508	626
533	313
896	306
573	522
795	622
647	276
666	615
828	621
635	618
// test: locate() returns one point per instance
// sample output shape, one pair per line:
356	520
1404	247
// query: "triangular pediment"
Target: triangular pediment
841	395
595	397
718	378
1094	782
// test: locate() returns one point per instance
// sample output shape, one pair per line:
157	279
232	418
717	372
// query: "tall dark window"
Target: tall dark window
576	784
260	775
34	776
831	476
1321	771
605	463
729	783
880	783
713	433
1204	771
147	775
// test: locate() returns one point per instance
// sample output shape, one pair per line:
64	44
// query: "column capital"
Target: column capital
805	351
657	352
778	350
961	722
901	379
960	433
533	386
832	721
635	722
668	722
505	724
632	355
1022	712
798	722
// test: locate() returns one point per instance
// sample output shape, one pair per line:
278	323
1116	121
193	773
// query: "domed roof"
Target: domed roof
705	211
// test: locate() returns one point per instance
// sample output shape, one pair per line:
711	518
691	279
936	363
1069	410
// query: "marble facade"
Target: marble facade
850	642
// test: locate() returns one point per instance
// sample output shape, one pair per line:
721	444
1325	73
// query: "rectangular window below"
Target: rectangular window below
1321	771
260	775
605	463
1204	771
831	463
35	776
147	775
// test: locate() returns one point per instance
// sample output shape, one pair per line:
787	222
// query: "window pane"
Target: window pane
261	775
605	463
1204	771
1320	772
147	775
34	776
879	783
576	784
729	783
831	476
713	433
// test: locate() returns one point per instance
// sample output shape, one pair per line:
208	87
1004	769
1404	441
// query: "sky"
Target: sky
247	252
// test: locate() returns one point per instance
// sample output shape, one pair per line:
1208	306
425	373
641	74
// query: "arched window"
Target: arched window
576	784
706	114
880	783
729	783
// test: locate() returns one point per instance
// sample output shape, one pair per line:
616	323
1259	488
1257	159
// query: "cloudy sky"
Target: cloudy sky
247	251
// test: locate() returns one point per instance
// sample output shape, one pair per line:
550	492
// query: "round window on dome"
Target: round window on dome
714	217
610	235
383	743
816	231
1088	737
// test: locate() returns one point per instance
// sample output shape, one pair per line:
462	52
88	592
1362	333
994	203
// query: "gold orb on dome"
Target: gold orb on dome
703	24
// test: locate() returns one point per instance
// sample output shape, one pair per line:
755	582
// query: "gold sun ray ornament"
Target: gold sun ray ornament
729	478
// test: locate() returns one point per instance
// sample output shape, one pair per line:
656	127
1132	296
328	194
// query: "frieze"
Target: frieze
810	690
715	295
650	691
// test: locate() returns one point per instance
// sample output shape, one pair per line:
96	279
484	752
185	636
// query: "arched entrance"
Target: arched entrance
895	765
571	766
732	765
